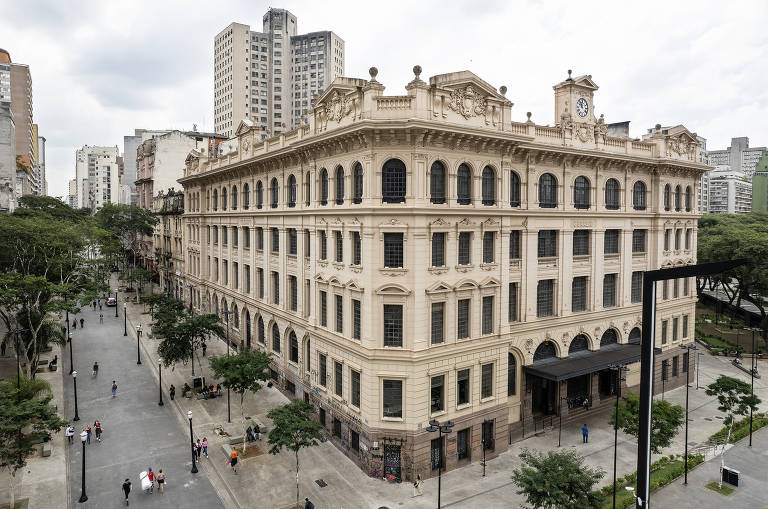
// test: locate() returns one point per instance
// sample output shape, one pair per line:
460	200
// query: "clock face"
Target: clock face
582	107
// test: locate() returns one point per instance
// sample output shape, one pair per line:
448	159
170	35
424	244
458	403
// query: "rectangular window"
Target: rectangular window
489	247
225	266
323	245
260	276
354	386
462	387
638	241
462	328
637	286
356	329
685	286
357	254
247	237
675	323
685	361
437	394
275	288
338	378
438	249
687	238
677	239
611	244
393	250
665	369
511	374
545	297
437	322
609	290
579	294
462	444
675	288
685	326
392	397
307	244
512	311
547	243
487	317
486	382
293	247
323	370
247	275
275	240
663	332
464	248
393	325
235	237
666	240
665	289
235	275
323	308
339	314
675	367
294	288
580	242
259	238
224	235
514	245
339	246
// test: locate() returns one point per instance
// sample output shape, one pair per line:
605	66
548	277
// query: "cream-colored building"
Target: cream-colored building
168	241
423	256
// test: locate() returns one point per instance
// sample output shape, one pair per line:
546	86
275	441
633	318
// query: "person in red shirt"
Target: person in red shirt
151	477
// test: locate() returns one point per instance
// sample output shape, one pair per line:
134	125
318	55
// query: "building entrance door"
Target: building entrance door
544	396
392	460
607	383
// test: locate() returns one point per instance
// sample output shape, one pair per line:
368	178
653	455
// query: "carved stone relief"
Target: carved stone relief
468	102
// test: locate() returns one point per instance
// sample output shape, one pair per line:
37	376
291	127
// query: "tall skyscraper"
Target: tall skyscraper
96	173
271	77
739	156
7	138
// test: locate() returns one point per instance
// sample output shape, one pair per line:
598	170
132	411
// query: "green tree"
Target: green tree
556	480
183	336
293	428
128	223
666	420
242	373
26	409
734	398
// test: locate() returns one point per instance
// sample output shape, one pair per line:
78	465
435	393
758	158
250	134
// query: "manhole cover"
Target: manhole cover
321	483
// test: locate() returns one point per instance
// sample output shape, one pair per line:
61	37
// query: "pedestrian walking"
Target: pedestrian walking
127	487
114	388
585	433
99	305
94	305
82	322
101	317
417	486
74	323
88	431
172	392
205	446
308	504
151	478
205	347
2	349
233	461
95	369
70	432
160	480
218	389
97	427
198	448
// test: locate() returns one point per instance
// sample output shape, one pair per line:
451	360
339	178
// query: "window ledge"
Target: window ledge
464	268
437	270
394	271
486	399
338	265
489	266
437	414
392	419
612	256
463	406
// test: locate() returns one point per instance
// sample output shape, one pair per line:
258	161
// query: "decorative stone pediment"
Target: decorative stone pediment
439	287
490	282
245	126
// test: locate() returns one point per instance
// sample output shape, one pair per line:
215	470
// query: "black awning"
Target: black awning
585	362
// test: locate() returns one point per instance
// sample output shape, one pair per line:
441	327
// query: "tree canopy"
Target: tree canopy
128	223
666	420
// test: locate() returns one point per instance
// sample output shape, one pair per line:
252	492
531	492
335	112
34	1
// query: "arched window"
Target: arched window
216	305
224	198
275	193
323	187
437	183
248	329
463	185
307	189
260	327
687	198
638	195
275	338
215	199
291	191
581	193
358	183
208	200
514	189
511	374
489	186
667	197
635	336
339	185
235	317
547	191
678	193
246	196
234	197
579	344
612	194
609	338
259	194
308	357
393	181
294	348
544	351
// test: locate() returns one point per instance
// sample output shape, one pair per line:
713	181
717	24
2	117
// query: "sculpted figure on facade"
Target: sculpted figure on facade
468	102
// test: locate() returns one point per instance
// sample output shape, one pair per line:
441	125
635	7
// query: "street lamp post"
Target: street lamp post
752	376
434	425
192	442
160	385
688	349
69	338
125	318
83	496
618	368
191	296
138	343
74	381
697	366
115	302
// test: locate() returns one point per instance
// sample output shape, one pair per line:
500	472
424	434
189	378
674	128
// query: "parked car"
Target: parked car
111	302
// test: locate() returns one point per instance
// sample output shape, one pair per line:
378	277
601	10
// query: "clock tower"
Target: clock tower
574	100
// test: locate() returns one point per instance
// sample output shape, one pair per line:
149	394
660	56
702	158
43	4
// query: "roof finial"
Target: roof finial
569	75
416	72
373	72
503	90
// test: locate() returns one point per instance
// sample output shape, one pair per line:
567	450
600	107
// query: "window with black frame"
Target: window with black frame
393	325
291	191
514	189
638	196
339	178
358	183
463	185
547	191
393	250
612	194
437	183
489	186
465	248
393	181
581	198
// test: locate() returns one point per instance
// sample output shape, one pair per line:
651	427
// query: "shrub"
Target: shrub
740	429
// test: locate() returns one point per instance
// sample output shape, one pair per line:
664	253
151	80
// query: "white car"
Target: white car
111	302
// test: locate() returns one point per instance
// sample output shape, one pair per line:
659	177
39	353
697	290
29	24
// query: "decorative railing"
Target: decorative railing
548	132
400	102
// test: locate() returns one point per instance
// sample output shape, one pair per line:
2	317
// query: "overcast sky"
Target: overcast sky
102	68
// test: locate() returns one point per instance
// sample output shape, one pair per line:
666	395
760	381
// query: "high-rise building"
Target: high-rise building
72	197
740	157
40	170
730	192
130	144
423	256
271	77
97	177
760	185
7	138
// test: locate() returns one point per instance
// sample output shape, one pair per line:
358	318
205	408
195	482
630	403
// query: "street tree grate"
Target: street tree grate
321	483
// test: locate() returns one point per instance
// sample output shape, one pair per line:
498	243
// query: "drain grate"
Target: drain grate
321	483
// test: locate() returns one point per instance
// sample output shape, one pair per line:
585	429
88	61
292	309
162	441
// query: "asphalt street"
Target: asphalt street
138	433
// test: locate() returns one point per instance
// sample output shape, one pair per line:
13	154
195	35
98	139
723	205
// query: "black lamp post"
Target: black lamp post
688	349
83	496
191	442
69	338
434	425
115	302
125	318
160	385
191	296
697	366
618	368
74	381
752	376
138	343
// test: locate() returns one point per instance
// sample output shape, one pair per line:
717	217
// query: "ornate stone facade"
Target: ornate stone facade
419	257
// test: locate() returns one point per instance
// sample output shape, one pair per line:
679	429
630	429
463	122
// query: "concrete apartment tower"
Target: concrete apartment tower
271	77
739	156
96	173
7	138
130	144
